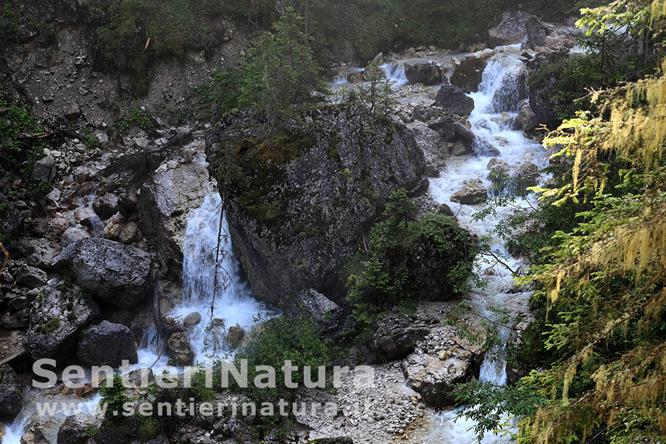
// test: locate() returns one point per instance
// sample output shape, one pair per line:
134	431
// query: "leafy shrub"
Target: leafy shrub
21	137
277	75
115	397
134	117
281	339
430	258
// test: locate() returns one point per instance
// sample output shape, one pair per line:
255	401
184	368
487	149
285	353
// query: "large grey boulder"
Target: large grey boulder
116	274
526	119
468	74
75	430
535	33
396	335
454	100
426	73
440	362
473	192
310	303
107	344
56	316
511	29
298	203
11	392
165	201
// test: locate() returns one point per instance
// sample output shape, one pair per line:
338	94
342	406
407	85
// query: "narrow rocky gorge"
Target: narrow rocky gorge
170	246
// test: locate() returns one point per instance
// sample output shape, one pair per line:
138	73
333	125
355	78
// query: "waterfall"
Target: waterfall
395	74
234	304
496	104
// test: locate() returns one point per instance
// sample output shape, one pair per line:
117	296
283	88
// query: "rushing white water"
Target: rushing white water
496	105
234	305
63	406
232	301
395	74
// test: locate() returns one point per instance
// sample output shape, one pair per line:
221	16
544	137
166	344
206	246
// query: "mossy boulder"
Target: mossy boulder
298	200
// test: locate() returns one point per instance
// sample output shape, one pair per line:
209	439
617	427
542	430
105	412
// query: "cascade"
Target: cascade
496	104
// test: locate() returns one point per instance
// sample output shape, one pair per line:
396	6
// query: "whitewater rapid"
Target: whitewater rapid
495	108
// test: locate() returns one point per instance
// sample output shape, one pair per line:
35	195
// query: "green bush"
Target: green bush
278	74
115	397
426	259
281	339
134	117
22	138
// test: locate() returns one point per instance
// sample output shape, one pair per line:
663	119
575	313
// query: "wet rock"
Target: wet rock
445	127
107	344
191	320
11	392
472	193
35	434
164	203
460	148
235	336
446	210
355	77
73	235
440	362
426	73
31	277
464	133
116	274
179	350
527	176
515	369
526	120
106	206
396	336
497	169
75	430
453	100
302	222
468	74
56	317
141	377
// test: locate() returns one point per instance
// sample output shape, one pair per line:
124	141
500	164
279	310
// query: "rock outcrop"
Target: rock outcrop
472	193
513	28
166	199
116	274
11	392
179	350
396	336
440	362
107	344
454	100
426	73
56	316
298	201
76	430
468	74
